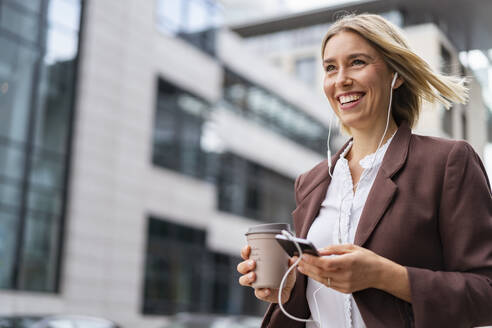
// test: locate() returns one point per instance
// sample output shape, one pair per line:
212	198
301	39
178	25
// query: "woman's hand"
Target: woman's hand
355	268
246	268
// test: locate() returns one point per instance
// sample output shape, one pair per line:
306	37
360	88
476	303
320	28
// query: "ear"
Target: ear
399	82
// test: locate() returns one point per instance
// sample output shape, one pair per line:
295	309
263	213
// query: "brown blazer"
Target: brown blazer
430	209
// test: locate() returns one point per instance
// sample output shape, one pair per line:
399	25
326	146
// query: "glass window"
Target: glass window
262	106
192	20
39	252
185	139
65	13
61	46
22	23
182	275
16	73
53	112
10	193
47	169
36	98
305	70
8	234
12	158
190	135
33	6
248	189
44	200
173	279
237	93
259	102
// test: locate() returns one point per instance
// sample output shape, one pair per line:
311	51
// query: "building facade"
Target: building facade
138	142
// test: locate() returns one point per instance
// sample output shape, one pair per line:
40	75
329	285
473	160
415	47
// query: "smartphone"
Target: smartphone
291	249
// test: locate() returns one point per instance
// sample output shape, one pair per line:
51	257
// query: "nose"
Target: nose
342	79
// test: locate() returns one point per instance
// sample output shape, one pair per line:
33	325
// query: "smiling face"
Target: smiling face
357	82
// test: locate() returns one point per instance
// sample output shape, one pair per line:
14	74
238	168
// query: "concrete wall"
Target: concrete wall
476	114
425	41
114	187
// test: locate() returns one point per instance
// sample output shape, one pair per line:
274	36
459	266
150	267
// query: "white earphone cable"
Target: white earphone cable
328	151
393	82
290	237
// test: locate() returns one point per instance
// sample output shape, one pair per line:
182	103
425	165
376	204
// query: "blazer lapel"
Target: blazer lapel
383	189
376	205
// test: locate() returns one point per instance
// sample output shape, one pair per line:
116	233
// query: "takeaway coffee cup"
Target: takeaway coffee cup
271	260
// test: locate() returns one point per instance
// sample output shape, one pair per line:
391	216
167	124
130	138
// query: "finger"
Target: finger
263	292
246	266
293	260
310	270
338	262
337	249
325	263
245	251
341	281
333	284
338	285
247	279
310	258
318	275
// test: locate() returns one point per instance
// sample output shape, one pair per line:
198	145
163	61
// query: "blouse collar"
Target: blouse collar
371	160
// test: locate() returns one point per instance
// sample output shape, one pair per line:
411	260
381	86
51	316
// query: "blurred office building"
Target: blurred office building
140	139
292	43
138	142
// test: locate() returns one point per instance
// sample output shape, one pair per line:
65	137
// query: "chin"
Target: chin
350	121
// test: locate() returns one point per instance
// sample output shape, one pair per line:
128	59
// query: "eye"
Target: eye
358	62
330	68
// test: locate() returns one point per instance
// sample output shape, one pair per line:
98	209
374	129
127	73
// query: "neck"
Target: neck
366	142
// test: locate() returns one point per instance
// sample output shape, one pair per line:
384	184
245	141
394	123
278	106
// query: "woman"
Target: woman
405	220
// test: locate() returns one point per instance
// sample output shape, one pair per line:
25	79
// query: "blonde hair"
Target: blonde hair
420	81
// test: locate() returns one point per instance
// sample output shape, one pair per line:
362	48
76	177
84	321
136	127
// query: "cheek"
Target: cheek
380	92
330	94
328	87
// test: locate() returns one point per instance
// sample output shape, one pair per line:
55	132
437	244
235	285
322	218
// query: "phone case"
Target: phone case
291	249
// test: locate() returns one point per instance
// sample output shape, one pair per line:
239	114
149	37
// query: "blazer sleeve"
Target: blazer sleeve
461	294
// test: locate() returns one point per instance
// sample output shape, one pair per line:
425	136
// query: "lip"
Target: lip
351	104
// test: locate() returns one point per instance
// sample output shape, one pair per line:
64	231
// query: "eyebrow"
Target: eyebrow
351	56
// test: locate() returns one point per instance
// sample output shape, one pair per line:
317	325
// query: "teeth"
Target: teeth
346	99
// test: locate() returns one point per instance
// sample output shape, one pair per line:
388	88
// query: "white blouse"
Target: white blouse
337	223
